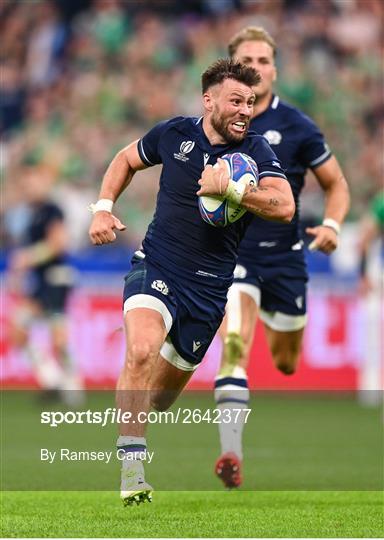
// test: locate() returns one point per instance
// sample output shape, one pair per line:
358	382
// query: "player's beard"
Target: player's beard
221	124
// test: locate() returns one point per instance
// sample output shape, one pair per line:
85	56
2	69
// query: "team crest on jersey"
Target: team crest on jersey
185	148
273	136
240	272
160	286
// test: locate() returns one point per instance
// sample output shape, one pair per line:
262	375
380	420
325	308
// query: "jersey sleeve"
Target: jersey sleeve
266	160
52	214
314	151
148	146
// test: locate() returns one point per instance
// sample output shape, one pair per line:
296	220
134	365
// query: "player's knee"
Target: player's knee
18	336
139	355
59	347
59	337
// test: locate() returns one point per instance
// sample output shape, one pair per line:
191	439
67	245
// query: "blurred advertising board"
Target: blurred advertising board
332	353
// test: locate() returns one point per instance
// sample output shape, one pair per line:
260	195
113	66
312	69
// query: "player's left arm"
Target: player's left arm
271	199
54	244
337	200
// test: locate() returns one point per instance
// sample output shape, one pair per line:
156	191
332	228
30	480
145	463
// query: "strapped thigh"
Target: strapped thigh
282	322
233	309
169	353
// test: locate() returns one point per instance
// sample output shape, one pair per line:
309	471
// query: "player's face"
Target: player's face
232	108
259	55
35	184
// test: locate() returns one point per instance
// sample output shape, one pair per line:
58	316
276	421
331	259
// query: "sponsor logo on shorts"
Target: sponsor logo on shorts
160	286
202	273
185	148
298	246
299	302
196	345
267	244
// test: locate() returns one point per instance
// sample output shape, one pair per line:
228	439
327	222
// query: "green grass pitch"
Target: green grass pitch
194	514
313	468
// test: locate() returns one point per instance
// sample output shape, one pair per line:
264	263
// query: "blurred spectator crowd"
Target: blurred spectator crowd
80	80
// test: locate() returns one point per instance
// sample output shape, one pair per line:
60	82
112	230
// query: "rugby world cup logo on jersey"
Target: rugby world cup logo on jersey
185	148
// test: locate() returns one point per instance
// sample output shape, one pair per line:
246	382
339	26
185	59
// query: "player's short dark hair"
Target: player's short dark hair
229	69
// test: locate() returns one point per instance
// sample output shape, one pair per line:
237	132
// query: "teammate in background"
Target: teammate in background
39	273
371	286
270	276
175	293
372	230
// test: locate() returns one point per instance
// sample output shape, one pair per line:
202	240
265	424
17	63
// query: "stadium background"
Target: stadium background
81	79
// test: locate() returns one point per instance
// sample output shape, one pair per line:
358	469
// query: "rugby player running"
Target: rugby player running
271	276
176	290
41	275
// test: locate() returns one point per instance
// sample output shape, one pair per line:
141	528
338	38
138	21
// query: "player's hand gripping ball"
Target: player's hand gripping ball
220	212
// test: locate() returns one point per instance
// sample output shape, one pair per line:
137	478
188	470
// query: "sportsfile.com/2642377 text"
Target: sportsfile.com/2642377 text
117	416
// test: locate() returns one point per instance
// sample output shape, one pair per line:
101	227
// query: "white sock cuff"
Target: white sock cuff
232	394
128	440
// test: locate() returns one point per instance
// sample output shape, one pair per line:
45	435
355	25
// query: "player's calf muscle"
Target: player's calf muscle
285	348
233	346
286	361
237	345
287	369
162	400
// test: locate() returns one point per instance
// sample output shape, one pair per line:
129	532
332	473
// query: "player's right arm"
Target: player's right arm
116	179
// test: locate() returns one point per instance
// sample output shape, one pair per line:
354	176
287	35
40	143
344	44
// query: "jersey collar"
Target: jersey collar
274	102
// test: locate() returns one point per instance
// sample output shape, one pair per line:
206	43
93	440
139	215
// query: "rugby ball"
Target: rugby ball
218	211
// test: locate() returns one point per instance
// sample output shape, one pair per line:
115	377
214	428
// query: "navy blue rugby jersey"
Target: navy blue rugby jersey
299	145
178	239
43	215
